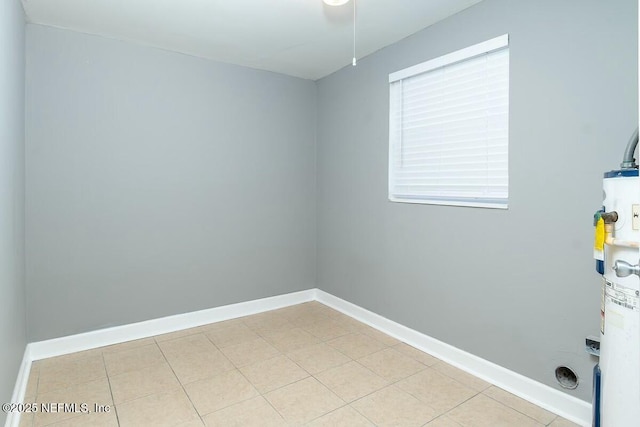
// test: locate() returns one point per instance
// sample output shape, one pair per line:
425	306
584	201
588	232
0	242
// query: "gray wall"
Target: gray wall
516	287
159	183
12	287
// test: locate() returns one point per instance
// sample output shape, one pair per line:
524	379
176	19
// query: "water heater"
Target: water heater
617	240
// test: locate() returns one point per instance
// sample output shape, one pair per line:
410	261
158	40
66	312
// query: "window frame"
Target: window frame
486	47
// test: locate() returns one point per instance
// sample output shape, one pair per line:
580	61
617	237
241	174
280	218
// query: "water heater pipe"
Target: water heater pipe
628	161
612	241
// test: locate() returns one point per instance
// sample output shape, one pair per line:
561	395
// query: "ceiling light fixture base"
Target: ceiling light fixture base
335	2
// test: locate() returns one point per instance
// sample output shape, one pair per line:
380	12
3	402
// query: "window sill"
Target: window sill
463	203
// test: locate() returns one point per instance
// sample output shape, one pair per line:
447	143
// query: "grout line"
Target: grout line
77	415
155	337
441	416
511	407
35	398
327	413
261	334
263	396
113	401
279	353
363	415
179	382
213	376
461	403
214	345
37	380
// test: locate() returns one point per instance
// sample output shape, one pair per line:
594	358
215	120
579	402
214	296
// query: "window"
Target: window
449	129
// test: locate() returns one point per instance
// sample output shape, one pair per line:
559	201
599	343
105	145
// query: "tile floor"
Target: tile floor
301	365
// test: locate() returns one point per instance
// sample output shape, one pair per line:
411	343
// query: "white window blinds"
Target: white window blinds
449	129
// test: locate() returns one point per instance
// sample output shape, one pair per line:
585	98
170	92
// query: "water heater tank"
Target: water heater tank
620	339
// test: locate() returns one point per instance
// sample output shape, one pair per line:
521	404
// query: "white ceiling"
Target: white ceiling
302	38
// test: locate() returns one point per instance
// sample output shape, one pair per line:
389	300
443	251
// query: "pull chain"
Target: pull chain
354	33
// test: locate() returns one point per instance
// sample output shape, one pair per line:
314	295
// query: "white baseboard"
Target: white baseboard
569	407
133	331
13	418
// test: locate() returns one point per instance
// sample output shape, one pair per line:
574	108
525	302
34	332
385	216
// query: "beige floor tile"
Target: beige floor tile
316	305
32	383
351	381
68	357
391	364
194	343
218	392
143	382
88	393
26	419
37	363
356	345
252	412
326	329
520	405
380	336
348	323
482	411
193	423
307	320
228	333
179	334
414	353
198	366
103	419
267	322
66	371
270	374
129	345
303	401
291	339
345	416
291	312
461	376
128	360
249	352
307	308
325	309
315	338
318	358
561	422
317	309
436	390
158	410
195	358
394	407
442	421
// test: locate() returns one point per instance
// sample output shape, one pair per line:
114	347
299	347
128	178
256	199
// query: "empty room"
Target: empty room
319	212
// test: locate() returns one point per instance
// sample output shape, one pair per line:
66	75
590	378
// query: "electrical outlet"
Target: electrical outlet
592	345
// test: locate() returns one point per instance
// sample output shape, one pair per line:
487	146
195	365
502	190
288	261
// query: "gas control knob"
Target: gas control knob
624	269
